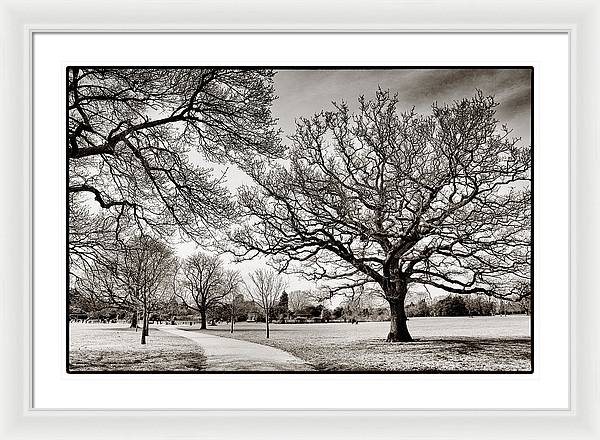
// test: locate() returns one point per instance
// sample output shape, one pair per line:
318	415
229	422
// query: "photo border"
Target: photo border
532	147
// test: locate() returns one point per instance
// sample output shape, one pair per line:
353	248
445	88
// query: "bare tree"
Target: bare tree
132	132
356	299
205	283
134	277
234	300
393	200
298	300
145	266
265	287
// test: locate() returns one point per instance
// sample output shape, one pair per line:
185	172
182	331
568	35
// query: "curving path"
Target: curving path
225	354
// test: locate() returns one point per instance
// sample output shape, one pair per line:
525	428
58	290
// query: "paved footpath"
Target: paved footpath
226	354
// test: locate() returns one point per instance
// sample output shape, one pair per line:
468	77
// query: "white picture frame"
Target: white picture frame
580	20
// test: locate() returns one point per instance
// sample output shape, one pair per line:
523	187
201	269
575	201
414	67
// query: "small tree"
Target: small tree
147	264
233	300
265	287
133	276
420	308
298	300
205	284
338	312
281	310
313	310
451	305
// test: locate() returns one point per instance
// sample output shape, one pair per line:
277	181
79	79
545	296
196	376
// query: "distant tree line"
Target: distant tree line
244	309
458	305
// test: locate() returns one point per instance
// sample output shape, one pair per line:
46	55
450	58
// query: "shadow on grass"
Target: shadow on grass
424	355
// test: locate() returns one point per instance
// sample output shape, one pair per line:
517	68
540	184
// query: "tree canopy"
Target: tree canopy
397	199
133	136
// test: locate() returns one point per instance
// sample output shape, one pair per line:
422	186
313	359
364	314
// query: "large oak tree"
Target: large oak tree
394	199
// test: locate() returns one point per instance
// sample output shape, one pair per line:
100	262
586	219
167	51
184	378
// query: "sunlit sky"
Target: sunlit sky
305	92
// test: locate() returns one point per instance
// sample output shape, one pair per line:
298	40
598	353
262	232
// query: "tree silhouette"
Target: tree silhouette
132	135
265	288
205	284
135	277
393	200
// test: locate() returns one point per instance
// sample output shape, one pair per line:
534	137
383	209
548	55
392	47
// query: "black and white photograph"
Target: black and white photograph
243	219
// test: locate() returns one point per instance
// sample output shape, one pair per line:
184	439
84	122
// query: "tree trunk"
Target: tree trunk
398	329
134	320
203	319
267	321
144	324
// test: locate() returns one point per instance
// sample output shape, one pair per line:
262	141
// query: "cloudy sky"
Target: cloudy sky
305	92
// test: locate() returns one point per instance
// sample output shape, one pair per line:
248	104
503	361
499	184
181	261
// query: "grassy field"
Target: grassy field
117	348
442	344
